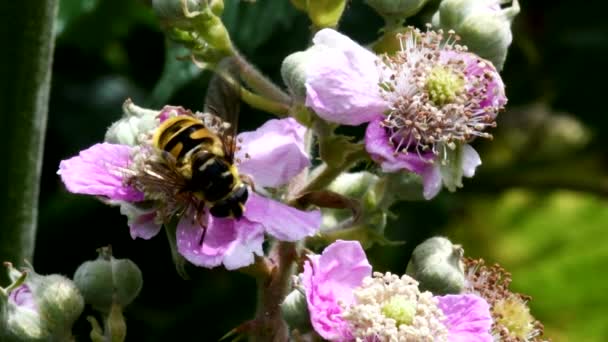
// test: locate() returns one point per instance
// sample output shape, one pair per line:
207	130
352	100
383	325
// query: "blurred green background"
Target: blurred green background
537	205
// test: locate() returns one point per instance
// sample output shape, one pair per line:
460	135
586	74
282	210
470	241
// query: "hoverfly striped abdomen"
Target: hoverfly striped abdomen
183	135
212	175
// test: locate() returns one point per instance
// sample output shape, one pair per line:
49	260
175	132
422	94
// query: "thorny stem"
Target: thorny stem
271	292
26	69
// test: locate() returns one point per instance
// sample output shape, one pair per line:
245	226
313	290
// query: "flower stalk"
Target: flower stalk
29	26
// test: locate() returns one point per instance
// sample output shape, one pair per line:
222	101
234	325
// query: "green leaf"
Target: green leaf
556	248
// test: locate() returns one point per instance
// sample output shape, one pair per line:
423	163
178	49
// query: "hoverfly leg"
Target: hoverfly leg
248	181
200	216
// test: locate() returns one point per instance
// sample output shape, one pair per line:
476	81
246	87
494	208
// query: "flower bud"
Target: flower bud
437	265
197	16
39	308
133	126
397	9
293	70
295	311
107	280
322	13
483	25
137	124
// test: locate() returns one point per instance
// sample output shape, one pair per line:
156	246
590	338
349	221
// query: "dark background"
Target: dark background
537	204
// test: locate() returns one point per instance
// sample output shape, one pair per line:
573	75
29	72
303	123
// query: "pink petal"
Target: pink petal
432	182
282	221
342	81
23	297
468	318
219	235
274	153
171	111
227	241
250	237
477	66
377	144
470	160
142	221
329	278
97	171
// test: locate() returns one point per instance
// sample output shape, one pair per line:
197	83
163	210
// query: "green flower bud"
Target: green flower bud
107	281
322	13
295	311
483	25
389	42
198	17
437	265
39	308
172	11
397	9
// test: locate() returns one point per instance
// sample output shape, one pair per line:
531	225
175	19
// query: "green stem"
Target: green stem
267	105
25	67
260	83
324	174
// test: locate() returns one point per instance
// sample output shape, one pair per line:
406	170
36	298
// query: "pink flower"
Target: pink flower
329	278
424	104
271	156
344	302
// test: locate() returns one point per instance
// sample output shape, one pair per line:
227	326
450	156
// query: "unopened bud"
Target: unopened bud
322	13
137	124
293	70
200	17
437	265
397	9
107	281
295	311
483	25
39	308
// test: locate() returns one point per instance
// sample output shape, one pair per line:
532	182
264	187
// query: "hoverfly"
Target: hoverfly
192	161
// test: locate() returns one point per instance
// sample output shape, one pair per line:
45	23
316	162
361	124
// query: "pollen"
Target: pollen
513	314
392	308
443	85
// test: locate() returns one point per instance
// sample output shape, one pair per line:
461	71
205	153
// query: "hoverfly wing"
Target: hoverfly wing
223	100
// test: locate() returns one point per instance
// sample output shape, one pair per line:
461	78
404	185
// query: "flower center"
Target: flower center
392	308
514	314
401	309
443	84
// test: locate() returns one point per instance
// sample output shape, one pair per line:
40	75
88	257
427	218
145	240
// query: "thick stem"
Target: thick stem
262	103
270	325
25	67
